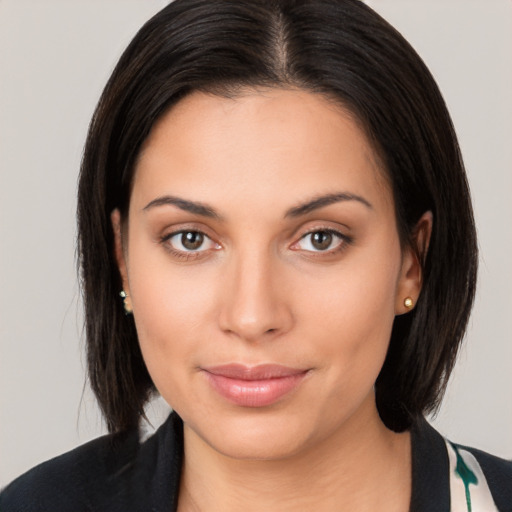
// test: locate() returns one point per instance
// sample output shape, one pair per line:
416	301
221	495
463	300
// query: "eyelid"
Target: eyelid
170	236
214	245
344	240
185	227
187	254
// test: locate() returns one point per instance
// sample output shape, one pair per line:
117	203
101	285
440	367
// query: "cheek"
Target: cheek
172	311
358	296
351	317
167	309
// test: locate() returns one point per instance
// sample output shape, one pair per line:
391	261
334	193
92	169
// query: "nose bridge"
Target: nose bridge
253	306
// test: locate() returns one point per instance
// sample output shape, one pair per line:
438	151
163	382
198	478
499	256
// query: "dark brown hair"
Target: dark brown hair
337	48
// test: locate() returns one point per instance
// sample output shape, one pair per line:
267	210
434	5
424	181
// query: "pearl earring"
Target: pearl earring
127	308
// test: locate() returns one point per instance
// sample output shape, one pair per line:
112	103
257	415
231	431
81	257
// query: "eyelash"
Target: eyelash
343	242
189	255
183	254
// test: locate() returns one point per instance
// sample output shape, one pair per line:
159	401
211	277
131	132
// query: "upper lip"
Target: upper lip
258	372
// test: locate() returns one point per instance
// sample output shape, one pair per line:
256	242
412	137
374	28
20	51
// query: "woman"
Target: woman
275	190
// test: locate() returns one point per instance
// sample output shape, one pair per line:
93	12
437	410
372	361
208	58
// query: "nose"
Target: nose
255	305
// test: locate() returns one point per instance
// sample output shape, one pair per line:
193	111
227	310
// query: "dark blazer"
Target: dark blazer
117	473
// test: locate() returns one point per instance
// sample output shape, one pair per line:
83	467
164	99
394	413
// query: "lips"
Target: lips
254	386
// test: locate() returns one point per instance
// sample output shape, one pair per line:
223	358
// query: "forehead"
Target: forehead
295	141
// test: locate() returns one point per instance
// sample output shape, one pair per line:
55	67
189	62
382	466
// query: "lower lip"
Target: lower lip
254	393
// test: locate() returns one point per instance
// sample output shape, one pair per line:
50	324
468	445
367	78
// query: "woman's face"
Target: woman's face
264	268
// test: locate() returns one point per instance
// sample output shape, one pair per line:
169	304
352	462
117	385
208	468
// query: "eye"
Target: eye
322	240
190	241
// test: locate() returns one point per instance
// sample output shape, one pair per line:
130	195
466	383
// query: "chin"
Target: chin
254	436
264	447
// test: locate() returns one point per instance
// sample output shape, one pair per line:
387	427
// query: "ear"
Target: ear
119	253
411	275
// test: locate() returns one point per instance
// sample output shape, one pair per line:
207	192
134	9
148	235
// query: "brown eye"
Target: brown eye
321	240
192	240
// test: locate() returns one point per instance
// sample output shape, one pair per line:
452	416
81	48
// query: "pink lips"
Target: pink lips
256	386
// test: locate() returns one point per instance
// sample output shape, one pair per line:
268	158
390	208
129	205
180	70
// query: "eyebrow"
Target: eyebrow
185	205
301	209
326	200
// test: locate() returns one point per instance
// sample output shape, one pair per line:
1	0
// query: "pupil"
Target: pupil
321	240
192	240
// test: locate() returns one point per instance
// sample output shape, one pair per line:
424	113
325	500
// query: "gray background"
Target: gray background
55	56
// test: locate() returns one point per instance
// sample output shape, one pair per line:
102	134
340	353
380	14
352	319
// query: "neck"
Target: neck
364	467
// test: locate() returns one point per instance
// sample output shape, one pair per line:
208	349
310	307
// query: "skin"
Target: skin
258	291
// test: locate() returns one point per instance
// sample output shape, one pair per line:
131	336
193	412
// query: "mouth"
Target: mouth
254	386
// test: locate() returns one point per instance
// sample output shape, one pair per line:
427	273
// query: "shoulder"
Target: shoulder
75	479
111	473
446	473
496	471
